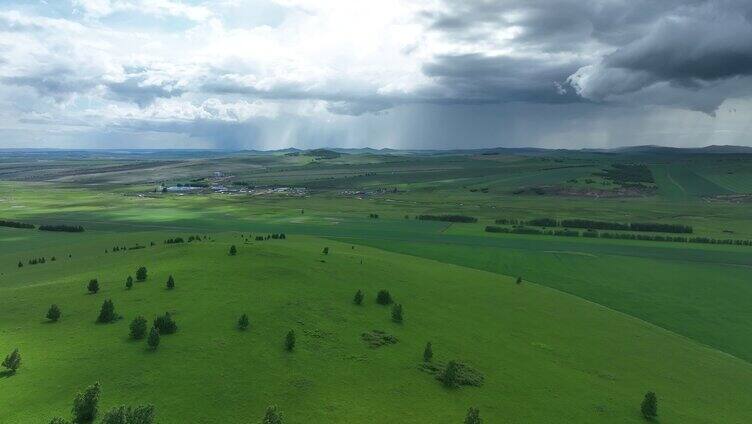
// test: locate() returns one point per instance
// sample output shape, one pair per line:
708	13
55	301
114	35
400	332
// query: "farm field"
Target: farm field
593	325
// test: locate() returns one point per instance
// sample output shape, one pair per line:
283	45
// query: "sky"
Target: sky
409	74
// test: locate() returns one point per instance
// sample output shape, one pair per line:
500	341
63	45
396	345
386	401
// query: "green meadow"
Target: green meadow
591	326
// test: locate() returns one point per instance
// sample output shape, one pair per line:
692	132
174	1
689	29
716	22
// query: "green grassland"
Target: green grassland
595	324
544	355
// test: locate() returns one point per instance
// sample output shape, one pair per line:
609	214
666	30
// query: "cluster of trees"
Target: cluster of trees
174	240
86	408
627	173
35	261
373	215
16	224
63	228
195	238
382	298
275	236
621	236
589	224
448	218
163	324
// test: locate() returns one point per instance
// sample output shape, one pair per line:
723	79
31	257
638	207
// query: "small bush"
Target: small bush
141	274
325	251
649	406
273	416
170	283
243	322
129	282
358	299
165	324
397	313
290	341
153	340
138	328
93	286
85	404
53	314
143	414
473	416
383	297
428	353
233	250
107	312
13	361
378	338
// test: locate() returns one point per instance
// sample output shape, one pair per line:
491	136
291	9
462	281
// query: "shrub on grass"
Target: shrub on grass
243	322
450	375
397	313
129	282
141	274
138	328
143	414
85	404
383	297
165	324
153	340
170	283
53	314
20	264
428	353
473	416
290	341
93	286
12	361
325	251
58	420
107	312
233	250
649	406
519	280
273	415
358	299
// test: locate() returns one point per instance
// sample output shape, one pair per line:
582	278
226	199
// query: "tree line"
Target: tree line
62	228
447	218
601	225
16	224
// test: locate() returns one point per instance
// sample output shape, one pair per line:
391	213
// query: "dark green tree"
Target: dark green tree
107	312
143	414
233	250
93	286
451	374
428	353
20	264
383	297
273	415
243	322
165	324
290	340
397	313
170	283
153	340
53	314
129	282
358	299
473	416
141	274
138	328
519	280
85	404
649	407
12	361
325	251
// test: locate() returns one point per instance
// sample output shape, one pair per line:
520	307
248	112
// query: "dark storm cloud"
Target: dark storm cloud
676	47
58	83
476	78
138	90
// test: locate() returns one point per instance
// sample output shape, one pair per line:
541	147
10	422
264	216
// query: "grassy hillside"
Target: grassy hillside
545	356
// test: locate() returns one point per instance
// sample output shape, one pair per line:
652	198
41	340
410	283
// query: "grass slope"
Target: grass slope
546	356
